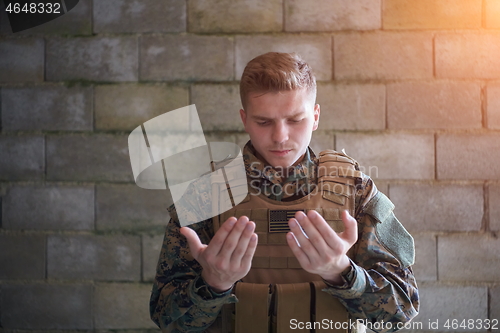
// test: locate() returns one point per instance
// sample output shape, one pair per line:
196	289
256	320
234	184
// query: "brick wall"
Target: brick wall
411	89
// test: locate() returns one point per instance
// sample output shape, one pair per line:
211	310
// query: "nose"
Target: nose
280	133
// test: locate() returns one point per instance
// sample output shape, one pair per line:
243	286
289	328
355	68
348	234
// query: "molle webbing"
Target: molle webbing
303	302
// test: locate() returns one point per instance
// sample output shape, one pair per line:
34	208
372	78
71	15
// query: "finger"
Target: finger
195	245
297	251
329	236
232	239
350	233
246	260
296	225
220	236
242	244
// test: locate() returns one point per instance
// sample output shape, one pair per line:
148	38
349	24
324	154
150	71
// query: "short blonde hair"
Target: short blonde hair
276	71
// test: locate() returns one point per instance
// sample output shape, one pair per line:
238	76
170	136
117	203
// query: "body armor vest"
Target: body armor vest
277	290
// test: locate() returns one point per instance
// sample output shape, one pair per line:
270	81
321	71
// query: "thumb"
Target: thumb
195	245
350	233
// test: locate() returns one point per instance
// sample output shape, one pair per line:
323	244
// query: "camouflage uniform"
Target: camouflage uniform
377	286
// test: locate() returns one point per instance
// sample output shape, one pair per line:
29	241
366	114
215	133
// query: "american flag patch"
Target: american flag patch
278	219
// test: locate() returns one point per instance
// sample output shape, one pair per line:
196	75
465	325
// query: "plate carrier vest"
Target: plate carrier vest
277	290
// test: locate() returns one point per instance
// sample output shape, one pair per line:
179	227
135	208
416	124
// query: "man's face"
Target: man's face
280	124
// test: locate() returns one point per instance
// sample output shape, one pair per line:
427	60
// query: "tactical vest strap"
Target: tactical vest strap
252	309
329	308
292	302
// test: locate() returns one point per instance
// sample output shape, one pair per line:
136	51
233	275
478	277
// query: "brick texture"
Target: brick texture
493	106
39	208
316	50
130	207
218	106
383	55
492	13
235	16
322	140
22	257
186	57
118	16
122	305
53	108
97	157
476	252
494	205
457	156
124	107
46	306
468	55
445	104
351	106
425	267
447	302
22	157
151	247
432	14
388	156
439	207
78	21
22	60
326	15
94	257
96	58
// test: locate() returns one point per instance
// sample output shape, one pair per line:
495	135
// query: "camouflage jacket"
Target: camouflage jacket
378	286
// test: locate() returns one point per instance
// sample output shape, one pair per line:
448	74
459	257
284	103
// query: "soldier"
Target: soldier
314	245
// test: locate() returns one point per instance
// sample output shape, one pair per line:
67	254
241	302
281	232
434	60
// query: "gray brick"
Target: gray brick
58	208
495	303
22	256
457	156
53	108
130	207
351	106
218	106
122	305
467	55
97	157
391	156
383	55
151	247
322	140
92	58
46	306
119	16
316	50
186	57
425	267
22	157
444	104
494	207
77	21
124	107
22	60
439	207
242	139
233	16
447	302
493	106
326	15
94	257
477	252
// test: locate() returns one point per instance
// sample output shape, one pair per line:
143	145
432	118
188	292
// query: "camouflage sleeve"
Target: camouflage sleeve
180	300
380	285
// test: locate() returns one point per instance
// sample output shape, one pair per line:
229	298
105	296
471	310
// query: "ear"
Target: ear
243	116
317	111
